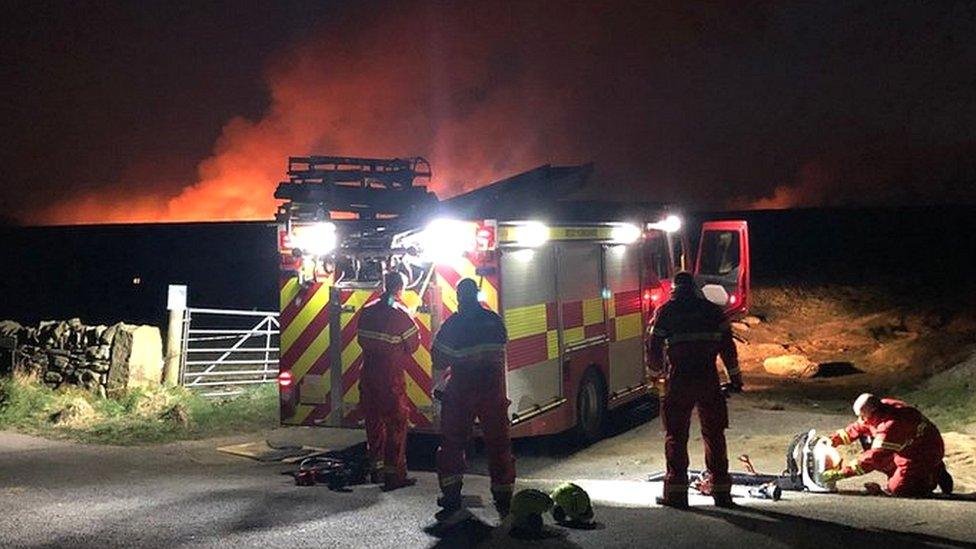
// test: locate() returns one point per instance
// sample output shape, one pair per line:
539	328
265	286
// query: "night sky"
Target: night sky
166	111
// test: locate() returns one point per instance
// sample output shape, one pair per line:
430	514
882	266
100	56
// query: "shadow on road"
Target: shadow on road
476	533
421	448
798	531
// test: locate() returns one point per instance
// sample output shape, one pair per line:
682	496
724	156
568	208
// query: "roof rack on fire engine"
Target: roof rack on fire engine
366	187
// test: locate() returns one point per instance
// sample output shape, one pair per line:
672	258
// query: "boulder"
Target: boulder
136	357
751	320
790	366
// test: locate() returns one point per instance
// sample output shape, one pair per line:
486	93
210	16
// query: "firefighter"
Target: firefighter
471	343
388	336
688	333
901	443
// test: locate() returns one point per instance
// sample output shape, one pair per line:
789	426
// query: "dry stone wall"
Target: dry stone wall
102	359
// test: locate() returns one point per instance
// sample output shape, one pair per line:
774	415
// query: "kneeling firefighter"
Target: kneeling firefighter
471	343
388	336
902	443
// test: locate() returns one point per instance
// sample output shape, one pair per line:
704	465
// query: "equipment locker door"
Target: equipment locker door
622	274
528	288
723	259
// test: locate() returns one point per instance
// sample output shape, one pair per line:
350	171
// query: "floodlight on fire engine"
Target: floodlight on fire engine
625	234
448	239
315	239
670	224
531	234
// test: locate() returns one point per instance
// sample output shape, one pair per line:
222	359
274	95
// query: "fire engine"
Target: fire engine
576	282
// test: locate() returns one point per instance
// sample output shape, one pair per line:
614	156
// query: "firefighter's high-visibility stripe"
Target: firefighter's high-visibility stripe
694	336
386	338
858	470
448	480
880	442
466	352
308	312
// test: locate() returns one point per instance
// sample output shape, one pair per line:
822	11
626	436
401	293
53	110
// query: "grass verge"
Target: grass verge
140	416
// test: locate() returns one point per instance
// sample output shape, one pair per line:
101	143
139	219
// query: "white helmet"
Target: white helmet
861	401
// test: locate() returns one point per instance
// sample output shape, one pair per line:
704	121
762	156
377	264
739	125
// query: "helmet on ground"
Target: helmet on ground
571	504
527	509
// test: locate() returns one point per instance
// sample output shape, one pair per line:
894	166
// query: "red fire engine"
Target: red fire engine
575	281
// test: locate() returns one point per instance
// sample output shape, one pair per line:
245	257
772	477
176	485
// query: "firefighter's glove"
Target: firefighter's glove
735	386
835	440
833	475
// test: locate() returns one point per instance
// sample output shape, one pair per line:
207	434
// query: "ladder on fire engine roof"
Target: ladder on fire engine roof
546	193
366	187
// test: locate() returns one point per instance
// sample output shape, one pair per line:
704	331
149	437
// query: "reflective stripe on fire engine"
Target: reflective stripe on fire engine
305	338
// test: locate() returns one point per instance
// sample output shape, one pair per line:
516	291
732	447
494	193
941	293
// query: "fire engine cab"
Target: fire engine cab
575	281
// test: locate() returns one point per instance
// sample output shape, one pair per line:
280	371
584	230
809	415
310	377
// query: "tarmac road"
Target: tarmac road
59	494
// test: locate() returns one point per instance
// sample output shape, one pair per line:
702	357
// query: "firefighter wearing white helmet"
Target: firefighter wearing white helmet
905	446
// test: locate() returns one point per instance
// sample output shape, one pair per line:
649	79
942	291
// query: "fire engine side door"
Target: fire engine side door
723	259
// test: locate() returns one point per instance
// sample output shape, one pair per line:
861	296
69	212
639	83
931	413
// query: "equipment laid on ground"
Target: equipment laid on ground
807	457
576	282
338	470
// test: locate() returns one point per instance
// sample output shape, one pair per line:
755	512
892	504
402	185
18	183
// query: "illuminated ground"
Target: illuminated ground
186	494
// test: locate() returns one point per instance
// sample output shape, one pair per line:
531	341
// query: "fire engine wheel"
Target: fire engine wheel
591	408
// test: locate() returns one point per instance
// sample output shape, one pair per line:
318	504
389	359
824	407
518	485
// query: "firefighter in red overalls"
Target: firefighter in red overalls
388	336
688	333
904	445
472	343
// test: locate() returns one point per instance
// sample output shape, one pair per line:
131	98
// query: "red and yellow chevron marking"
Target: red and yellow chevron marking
582	320
417	374
304	348
449	274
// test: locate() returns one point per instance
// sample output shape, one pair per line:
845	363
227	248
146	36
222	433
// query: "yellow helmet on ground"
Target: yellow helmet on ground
571	504
527	509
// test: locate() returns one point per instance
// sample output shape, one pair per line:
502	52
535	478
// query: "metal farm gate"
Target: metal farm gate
227	350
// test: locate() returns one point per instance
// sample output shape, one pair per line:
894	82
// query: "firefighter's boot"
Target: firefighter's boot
945	481
395	482
503	502
450	502
675	500
724	501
